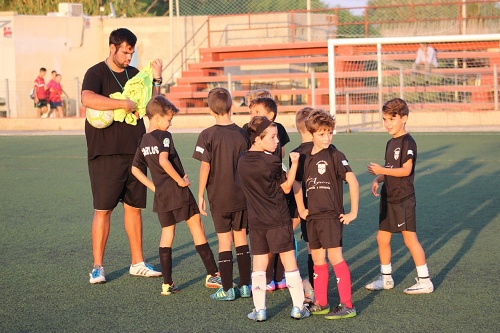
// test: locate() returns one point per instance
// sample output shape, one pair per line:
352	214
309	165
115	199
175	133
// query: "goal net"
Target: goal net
364	73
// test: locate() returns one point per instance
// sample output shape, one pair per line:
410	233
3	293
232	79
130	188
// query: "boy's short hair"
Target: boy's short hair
159	104
43	69
300	118
254	94
396	106
268	103
220	101
319	119
253	127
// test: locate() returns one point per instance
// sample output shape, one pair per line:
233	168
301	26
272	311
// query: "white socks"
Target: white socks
259	290
294	284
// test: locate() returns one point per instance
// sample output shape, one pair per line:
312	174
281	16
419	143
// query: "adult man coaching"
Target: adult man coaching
111	152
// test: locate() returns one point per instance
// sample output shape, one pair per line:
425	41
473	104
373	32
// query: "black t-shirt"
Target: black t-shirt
397	152
120	137
282	137
221	146
260	175
324	173
168	195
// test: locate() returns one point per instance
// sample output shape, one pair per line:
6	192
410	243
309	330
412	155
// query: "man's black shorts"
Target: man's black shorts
112	181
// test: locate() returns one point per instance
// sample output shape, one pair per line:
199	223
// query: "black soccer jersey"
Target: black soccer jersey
324	173
168	195
120	137
260	175
221	146
397	152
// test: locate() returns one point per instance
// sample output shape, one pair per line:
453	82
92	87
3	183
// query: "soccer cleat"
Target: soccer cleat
298	313
423	286
341	312
213	281
317	309
271	286
281	284
168	289
308	291
380	284
144	270
221	295
97	275
245	291
258	315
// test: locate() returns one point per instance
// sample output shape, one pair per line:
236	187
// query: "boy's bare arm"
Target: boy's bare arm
143	178
290	178
404	171
169	169
299	199
354	196
204	172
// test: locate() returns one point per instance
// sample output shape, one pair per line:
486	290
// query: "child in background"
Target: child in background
325	170
218	149
397	199
265	106
264	184
304	148
173	201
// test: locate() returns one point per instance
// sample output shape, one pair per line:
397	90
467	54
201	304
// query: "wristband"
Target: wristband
158	81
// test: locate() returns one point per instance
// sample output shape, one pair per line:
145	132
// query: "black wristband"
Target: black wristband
158	81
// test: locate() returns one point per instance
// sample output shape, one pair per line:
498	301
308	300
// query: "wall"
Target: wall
70	45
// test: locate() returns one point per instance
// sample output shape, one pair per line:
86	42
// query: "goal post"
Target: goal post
363	73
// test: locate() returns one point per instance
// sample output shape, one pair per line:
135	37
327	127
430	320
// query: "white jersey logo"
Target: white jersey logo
321	167
166	142
397	151
199	149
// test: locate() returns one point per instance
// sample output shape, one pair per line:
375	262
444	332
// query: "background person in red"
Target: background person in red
54	93
39	93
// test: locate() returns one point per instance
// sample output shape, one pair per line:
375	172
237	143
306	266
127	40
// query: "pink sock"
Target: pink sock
343	283
321	284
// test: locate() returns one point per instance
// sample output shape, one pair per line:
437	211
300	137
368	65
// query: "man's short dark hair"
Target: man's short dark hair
118	36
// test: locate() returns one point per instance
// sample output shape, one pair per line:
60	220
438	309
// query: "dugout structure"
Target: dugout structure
363	73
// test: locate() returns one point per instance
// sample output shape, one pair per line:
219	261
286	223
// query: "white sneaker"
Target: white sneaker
423	286
143	269
97	275
380	284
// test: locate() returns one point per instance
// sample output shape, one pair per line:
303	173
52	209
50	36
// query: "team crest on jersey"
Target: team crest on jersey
397	152
321	167
166	142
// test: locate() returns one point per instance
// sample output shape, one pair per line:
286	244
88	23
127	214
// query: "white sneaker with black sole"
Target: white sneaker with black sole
423	286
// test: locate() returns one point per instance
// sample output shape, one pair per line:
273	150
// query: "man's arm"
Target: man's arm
95	101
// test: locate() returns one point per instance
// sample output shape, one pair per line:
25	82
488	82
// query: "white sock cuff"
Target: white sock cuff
423	271
258	273
292	274
386	269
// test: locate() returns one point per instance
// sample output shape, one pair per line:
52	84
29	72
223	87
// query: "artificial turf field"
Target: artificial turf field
45	216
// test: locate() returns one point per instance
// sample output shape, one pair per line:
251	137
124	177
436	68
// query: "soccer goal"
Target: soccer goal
366	72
